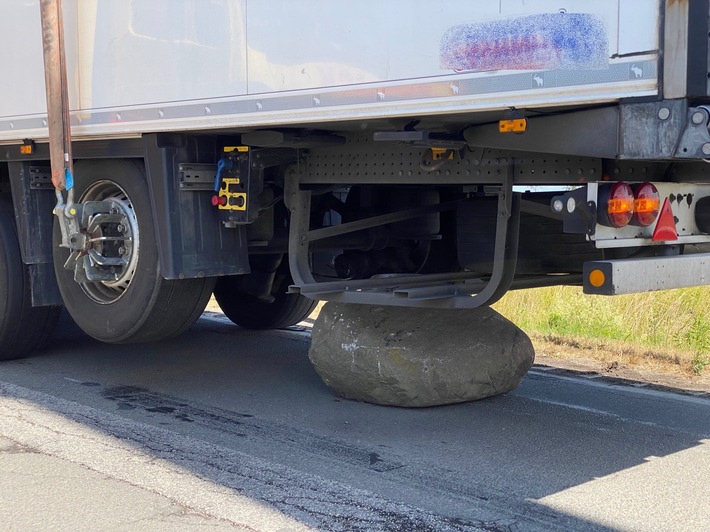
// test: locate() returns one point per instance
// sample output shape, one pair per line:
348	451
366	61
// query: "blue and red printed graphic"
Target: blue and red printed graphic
552	41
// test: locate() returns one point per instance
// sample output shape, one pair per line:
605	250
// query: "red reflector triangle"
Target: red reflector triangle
665	227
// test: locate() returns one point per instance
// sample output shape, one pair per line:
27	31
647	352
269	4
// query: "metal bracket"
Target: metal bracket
442	290
40	178
695	141
68	225
194	176
579	215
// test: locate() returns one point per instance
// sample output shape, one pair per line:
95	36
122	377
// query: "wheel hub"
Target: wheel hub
104	249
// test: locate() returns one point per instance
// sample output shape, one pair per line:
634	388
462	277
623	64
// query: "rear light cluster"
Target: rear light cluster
625	205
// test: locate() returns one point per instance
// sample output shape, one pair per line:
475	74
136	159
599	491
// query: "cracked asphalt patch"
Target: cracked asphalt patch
207	479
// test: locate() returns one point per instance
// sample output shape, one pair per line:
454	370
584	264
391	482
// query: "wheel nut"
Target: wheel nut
121	251
119	228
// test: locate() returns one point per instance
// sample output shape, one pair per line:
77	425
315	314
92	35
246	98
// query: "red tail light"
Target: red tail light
619	205
646	205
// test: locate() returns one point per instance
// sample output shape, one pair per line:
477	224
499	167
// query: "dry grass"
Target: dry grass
660	332
669	329
609	353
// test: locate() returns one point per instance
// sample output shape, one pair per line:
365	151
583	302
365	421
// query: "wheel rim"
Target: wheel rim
113	241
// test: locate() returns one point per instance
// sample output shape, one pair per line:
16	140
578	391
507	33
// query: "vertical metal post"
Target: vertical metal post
299	204
55	74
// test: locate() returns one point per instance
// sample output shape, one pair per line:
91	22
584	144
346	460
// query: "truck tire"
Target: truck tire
23	328
140	306
250	312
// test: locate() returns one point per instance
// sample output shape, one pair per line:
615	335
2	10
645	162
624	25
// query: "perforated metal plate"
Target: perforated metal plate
364	161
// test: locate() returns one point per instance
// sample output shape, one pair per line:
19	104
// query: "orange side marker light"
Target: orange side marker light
515	125
597	278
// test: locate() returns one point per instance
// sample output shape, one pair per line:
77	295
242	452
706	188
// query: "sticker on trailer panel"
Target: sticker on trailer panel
552	41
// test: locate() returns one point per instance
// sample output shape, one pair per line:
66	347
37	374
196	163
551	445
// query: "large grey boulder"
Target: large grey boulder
418	357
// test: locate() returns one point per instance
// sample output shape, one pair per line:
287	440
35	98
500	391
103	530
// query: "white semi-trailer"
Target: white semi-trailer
279	152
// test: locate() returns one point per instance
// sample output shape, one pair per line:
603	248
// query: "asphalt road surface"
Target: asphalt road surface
226	428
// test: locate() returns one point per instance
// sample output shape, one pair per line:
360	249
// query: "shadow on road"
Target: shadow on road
474	465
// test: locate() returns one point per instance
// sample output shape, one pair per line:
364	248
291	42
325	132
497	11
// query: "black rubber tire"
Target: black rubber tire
151	308
250	312
23	328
